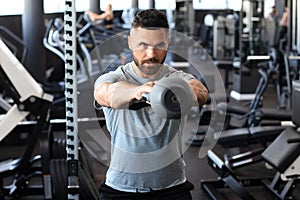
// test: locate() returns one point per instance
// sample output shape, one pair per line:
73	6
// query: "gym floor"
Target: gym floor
197	169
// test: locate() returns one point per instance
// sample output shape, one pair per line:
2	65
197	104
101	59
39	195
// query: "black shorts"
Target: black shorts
178	192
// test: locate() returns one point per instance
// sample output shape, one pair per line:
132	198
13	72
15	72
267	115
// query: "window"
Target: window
54	6
116	5
11	7
226	4
211	5
144	4
166	4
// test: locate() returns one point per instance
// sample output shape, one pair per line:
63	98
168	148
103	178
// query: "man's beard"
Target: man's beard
149	70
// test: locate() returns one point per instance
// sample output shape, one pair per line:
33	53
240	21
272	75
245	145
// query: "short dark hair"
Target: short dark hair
150	18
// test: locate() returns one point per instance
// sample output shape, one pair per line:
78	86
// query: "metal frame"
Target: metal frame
71	99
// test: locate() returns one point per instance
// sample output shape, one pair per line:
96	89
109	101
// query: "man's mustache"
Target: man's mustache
152	60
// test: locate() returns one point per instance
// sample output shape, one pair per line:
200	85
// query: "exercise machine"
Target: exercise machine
30	113
282	154
256	123
29	99
255	114
224	39
13	41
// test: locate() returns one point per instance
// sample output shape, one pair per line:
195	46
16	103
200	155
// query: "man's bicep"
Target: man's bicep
106	78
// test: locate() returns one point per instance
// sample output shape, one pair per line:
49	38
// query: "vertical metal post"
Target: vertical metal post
298	27
33	30
289	28
71	99
134	4
293	24
94	6
151	4
251	35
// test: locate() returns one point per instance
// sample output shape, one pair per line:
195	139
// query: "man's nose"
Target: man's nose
150	52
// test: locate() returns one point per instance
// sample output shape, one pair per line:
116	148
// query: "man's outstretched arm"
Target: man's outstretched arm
120	94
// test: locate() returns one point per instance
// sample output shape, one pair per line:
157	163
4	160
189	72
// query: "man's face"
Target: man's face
149	49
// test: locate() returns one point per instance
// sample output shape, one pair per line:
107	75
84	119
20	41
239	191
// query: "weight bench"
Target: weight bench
246	136
284	157
283	154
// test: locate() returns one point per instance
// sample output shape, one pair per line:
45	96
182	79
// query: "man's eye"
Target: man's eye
160	46
143	46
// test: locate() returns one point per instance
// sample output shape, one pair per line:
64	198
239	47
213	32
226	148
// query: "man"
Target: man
146	154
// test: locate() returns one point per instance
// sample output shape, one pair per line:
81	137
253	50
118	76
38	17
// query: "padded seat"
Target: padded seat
243	136
264	113
281	154
275	114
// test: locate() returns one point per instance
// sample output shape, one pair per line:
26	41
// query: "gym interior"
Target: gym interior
243	143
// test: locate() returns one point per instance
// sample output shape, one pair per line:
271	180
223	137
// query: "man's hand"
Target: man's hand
200	91
143	89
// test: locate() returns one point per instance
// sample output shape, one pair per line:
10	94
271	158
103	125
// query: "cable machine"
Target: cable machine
250	43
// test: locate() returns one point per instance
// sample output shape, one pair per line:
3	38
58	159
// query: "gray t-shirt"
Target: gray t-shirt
146	150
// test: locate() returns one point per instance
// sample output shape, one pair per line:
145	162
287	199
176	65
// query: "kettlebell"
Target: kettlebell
171	98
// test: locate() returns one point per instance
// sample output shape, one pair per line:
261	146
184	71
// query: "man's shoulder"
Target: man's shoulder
118	69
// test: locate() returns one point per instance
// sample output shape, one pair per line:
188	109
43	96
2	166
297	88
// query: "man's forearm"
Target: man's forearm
115	95
120	94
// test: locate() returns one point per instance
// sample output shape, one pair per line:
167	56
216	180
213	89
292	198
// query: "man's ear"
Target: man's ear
169	41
